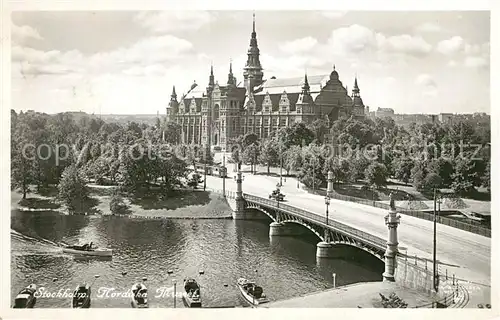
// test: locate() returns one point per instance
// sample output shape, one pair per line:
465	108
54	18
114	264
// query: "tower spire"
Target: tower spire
173	96
211	81
355	90
231	80
253	66
253	30
305	86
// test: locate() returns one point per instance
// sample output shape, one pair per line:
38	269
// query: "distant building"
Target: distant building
220	112
446	117
384	112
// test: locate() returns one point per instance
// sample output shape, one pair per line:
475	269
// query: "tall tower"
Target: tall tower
211	81
173	106
231	80
355	90
253	66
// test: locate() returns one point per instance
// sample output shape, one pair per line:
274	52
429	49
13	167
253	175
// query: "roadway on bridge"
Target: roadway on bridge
462	253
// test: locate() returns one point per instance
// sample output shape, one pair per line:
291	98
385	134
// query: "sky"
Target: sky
126	62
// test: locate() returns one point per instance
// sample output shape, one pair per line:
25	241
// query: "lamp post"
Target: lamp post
327	233
434	271
175	291
224	173
314	174
281	167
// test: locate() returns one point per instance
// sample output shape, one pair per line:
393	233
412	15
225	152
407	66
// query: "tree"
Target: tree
443	168
418	177
339	168
293	159
117	205
268	154
250	155
358	163
319	128
486	178
465	177
73	191
432	181
376	174
402	169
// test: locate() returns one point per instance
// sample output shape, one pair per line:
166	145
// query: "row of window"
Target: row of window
258	122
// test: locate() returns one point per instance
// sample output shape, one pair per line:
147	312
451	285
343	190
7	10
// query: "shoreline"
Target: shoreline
186	204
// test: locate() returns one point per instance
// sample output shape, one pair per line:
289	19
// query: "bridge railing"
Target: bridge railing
313	217
466	226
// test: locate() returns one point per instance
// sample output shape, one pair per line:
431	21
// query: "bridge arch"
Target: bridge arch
318	234
260	209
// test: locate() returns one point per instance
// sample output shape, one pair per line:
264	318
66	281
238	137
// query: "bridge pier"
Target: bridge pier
285	229
239	213
328	250
392	221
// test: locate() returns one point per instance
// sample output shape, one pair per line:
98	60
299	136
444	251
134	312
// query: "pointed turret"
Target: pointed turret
305	86
173	96
231	80
253	66
173	105
355	90
211	80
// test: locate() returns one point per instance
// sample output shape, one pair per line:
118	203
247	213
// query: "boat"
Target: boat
81	297
26	299
139	296
88	250
252	293
191	295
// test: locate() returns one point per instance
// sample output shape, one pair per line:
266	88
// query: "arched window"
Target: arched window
216	112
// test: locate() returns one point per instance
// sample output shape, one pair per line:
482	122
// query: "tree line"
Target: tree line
431	155
70	150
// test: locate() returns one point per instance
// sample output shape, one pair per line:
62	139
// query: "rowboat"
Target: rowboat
81	297
139	296
26	299
88	251
252	293
191	295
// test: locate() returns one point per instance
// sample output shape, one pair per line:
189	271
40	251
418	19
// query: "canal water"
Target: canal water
224	249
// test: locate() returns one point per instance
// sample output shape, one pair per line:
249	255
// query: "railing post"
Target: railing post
446	274
453	279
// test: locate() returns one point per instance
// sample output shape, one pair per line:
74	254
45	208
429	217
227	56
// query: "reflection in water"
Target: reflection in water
224	249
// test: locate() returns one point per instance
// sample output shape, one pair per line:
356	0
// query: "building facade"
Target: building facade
217	113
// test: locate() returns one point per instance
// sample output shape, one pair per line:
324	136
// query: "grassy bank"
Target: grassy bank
188	204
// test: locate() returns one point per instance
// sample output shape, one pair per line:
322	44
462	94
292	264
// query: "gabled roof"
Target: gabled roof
291	85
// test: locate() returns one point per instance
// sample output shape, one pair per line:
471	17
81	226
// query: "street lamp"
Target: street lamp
327	202
281	167
434	267
224	173
175	291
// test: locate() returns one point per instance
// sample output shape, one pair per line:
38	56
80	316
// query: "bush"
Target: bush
117	205
73	191
195	179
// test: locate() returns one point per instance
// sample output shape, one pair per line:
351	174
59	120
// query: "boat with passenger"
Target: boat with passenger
139	296
26	299
191	295
88	249
252	293
81	297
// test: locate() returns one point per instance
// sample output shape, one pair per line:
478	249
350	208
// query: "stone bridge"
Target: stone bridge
333	235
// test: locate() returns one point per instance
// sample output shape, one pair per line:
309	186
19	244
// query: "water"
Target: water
224	249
